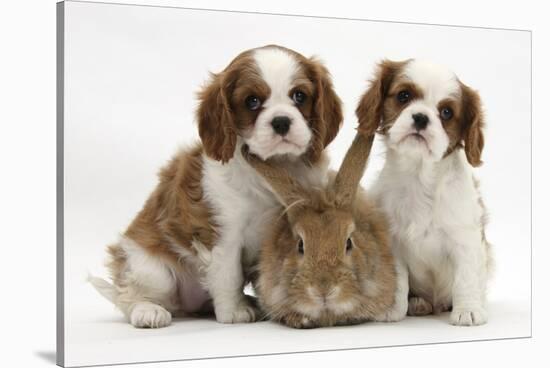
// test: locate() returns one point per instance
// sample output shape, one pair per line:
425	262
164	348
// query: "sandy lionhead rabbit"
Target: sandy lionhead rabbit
327	259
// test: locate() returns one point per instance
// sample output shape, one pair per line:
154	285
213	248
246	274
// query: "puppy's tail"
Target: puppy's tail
106	289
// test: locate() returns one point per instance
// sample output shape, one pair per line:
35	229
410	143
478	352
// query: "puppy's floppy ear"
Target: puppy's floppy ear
473	123
217	127
327	108
370	110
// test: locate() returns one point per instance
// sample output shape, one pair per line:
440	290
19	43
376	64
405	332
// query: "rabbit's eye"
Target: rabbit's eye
349	245
301	246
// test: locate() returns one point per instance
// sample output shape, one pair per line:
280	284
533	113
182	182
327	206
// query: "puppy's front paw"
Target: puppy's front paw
419	307
468	316
149	315
244	312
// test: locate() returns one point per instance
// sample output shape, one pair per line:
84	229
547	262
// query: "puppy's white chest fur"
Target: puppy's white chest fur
435	216
243	204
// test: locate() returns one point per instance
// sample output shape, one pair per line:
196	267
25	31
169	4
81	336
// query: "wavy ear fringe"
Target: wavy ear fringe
474	123
216	124
327	110
371	105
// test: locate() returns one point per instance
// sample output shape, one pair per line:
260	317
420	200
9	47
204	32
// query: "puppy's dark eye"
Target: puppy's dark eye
299	97
349	245
253	103
403	96
446	113
301	246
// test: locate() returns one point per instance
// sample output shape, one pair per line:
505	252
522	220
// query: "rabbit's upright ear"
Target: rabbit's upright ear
287	190
352	170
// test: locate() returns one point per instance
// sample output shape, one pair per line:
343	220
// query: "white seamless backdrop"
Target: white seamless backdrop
131	74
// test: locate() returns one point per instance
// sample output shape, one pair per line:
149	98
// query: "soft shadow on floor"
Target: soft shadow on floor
48	356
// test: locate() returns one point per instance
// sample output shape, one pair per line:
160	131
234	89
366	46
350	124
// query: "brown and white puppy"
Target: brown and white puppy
192	244
432	127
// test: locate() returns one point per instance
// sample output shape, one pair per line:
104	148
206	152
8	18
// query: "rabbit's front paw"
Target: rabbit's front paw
297	320
471	316
244	312
396	313
419	307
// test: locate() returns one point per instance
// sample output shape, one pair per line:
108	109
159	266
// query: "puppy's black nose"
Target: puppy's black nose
281	124
420	121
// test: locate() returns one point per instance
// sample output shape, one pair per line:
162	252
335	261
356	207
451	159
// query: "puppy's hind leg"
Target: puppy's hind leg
146	288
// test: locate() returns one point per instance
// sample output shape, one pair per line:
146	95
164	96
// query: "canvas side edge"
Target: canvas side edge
60	264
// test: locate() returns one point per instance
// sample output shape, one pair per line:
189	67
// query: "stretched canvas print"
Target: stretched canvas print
236	184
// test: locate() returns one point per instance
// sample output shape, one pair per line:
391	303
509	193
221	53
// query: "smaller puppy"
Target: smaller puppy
432	127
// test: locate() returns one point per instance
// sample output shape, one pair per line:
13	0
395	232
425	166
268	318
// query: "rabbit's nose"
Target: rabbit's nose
326	288
327	295
317	293
333	292
324	281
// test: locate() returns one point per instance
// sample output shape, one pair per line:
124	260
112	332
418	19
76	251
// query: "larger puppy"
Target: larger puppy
200	230
432	127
